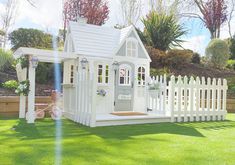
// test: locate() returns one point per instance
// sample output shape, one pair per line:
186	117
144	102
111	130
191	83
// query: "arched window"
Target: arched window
124	75
131	47
141	76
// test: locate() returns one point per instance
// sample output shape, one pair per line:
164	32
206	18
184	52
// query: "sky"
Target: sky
47	16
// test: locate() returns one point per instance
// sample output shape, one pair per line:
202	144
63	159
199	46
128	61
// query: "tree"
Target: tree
30	38
213	13
131	11
96	11
36	39
162	31
230	16
217	53
232	47
165	6
8	17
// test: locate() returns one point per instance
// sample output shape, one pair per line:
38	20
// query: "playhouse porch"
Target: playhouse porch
112	119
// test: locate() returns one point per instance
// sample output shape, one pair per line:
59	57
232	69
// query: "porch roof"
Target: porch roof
45	55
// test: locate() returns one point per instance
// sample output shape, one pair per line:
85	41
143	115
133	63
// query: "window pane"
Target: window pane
121	80
139	69
107	70
100	79
133	53
129	45
106	80
129	52
133	45
143	69
106	74
100	73
139	78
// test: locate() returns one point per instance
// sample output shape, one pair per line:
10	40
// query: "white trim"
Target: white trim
103	83
132	40
125	66
44	55
139	41
141	73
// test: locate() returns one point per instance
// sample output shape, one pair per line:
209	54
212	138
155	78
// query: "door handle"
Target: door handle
132	84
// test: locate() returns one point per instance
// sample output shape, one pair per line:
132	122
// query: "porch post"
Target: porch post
21	74
22	106
31	95
93	93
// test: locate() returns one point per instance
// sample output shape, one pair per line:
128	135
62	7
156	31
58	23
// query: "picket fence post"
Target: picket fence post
172	98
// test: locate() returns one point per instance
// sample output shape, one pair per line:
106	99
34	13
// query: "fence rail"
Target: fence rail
188	99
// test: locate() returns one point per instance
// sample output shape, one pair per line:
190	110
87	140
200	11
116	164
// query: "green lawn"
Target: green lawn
201	143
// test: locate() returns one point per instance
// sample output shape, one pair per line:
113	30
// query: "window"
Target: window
131	48
141	76
124	75
71	73
103	74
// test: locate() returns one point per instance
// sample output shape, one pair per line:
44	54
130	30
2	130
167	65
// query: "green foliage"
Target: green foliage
45	73
36	39
230	64
157	56
2	33
217	53
232	47
24	61
6	59
23	88
30	38
158	72
177	58
11	84
162	31
196	58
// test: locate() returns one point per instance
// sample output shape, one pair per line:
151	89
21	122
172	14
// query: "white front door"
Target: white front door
124	80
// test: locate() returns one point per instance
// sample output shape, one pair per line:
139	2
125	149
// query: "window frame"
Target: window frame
139	82
104	71
126	67
131	41
71	79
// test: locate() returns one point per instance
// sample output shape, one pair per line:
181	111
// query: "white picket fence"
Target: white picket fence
80	110
185	99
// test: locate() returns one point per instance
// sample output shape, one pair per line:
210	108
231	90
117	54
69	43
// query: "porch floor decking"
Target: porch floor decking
110	119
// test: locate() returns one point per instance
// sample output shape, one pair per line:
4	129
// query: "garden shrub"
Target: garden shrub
217	53
178	58
6	59
230	64
157	72
196	58
45	73
157	56
11	84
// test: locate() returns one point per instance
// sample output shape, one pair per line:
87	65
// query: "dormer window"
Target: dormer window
131	47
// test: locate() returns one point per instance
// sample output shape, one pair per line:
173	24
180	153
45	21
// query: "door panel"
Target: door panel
124	87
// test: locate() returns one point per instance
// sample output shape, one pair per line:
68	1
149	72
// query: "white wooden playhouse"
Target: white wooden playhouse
106	82
111	69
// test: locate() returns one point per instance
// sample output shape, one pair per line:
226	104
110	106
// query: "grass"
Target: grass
201	143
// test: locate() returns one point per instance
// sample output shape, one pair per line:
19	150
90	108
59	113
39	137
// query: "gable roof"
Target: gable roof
98	41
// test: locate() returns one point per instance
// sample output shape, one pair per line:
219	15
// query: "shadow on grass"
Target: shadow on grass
128	131
46	129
